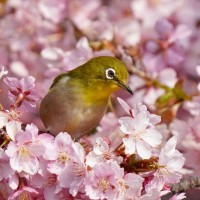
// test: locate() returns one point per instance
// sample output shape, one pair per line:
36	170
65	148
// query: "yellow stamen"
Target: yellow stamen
23	152
63	158
104	184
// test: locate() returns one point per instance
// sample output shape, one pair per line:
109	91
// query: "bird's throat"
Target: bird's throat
99	95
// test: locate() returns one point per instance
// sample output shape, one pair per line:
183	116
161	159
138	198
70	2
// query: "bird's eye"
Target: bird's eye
110	73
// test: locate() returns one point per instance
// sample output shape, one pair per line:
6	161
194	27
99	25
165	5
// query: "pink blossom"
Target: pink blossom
48	183
108	128
10	120
166	76
129	186
193	106
4	56
168	47
153	119
51	194
107	180
22	92
149	95
3	72
121	10
154	11
151	195
187	133
82	11
178	196
192	162
5	190
188	136
127	32
101	153
82	53
74	174
5	170
139	130
25	151
24	193
13	181
18	68
101	183
170	163
52	54
59	153
52	11
192	139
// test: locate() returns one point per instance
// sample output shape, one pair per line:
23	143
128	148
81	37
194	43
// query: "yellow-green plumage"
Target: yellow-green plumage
77	100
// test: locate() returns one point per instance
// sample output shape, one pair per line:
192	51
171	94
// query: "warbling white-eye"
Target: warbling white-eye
78	99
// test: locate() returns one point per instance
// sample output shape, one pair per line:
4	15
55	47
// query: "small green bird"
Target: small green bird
78	99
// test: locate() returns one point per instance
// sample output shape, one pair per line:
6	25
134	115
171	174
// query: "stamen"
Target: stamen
104	184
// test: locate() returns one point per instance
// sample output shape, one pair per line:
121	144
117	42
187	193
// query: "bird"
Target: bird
78	99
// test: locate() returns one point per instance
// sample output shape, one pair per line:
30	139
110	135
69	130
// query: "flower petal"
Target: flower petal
143	149
129	145
124	105
152	137
127	125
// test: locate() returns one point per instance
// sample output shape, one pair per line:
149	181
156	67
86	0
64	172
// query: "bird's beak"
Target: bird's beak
125	86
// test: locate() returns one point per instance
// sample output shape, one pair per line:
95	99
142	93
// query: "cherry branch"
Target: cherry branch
192	182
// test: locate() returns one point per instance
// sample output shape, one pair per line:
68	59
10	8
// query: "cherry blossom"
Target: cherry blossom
5	190
25	192
193	106
108	129
3	72
129	185
169	164
57	10
81	54
101	152
5	169
73	175
22	92
59	152
178	197
141	135
169	46
24	152
10	120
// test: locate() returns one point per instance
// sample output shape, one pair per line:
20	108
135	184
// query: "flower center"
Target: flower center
106	155
104	184
25	195
63	158
23	152
137	134
13	115
123	186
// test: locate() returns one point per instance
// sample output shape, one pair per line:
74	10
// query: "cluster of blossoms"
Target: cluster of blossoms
133	153
39	166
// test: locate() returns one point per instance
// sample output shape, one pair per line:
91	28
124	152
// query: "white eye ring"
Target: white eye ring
110	73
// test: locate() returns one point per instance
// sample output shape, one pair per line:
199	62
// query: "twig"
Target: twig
184	185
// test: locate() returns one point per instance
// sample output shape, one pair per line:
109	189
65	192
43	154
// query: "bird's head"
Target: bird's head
106	73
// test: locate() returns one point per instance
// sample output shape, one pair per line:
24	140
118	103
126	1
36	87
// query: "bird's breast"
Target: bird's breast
66	108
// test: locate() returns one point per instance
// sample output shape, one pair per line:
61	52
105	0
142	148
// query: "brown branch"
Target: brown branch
184	185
